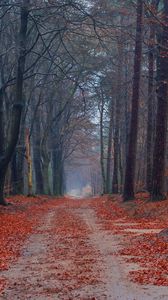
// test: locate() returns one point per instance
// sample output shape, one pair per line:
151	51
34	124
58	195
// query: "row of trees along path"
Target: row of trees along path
83	86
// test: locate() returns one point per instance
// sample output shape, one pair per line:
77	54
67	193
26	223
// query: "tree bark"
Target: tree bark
108	168
45	168
102	149
150	124
29	163
131	155
115	180
116	166
37	156
45	160
57	170
17	165
162	98
150	114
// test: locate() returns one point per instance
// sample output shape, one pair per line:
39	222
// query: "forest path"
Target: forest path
69	256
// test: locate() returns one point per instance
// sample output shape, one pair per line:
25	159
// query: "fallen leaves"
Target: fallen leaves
148	250
72	261
16	224
155	277
2	284
75	257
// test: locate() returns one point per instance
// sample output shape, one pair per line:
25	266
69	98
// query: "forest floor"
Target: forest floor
85	249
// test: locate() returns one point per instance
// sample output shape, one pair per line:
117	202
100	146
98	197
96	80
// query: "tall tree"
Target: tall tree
151	93
131	155
7	152
162	105
109	149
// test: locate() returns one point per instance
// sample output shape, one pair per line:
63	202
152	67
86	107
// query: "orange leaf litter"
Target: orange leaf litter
149	250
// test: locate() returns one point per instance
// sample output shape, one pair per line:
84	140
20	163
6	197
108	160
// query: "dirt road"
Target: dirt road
70	256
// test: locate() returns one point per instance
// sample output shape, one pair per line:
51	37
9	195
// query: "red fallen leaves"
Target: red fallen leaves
76	266
149	250
149	277
110	212
71	246
2	284
13	230
71	263
16	223
146	244
151	253
153	211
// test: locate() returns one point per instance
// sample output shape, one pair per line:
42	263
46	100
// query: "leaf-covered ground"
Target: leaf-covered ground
17	222
138	223
86	249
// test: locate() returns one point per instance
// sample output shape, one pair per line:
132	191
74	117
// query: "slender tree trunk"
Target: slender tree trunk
119	94
45	168
102	150
14	175
38	173
45	159
131	155
120	168
17	164
150	113
109	150
57	170
29	163
115	169
150	124
37	156
2	183
161	121
2	150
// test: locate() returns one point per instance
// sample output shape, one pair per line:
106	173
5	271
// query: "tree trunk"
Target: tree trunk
14	174
150	124
131	155
2	183
115	180
45	160
102	149
6	156
46	178
108	169
29	163
115	169
120	168
57	170
2	151
161	121
37	156
17	165
38	173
